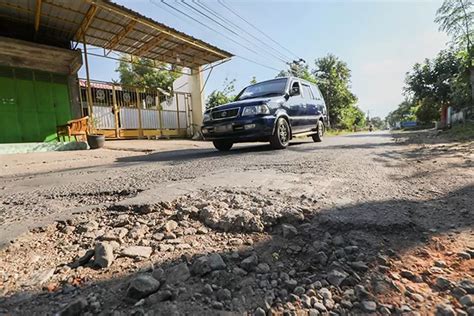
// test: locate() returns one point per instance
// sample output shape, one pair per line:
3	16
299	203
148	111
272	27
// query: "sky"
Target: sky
380	40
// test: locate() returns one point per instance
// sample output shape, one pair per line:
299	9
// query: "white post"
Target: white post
197	99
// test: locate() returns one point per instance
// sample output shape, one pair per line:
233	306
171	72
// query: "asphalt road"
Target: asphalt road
362	167
393	207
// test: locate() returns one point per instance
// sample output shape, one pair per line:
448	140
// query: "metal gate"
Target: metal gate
32	104
120	111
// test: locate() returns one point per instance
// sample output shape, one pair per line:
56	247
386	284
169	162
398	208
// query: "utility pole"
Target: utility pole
294	65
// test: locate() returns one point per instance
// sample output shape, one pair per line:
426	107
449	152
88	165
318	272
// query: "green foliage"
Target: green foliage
460	92
219	97
297	69
444	80
352	116
433	79
254	80
144	73
456	17
439	82
404	112
425	112
377	122
333	78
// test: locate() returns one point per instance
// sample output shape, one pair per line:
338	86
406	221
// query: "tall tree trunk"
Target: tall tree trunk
472	85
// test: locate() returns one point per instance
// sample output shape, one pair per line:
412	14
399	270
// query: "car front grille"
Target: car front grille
225	114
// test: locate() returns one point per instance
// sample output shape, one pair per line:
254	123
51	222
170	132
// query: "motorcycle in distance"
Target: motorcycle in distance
371	128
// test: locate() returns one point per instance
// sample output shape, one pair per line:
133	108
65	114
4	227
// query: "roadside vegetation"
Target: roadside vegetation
143	72
460	132
445	80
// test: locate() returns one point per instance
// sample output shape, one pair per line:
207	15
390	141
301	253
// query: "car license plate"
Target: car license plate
223	128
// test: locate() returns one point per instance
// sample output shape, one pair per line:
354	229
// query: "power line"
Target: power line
257	63
281	56
237	34
256	28
208	27
228	29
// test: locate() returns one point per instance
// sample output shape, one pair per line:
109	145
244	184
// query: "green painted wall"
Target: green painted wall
32	104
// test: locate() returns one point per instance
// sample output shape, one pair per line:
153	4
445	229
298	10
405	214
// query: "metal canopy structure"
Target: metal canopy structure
105	24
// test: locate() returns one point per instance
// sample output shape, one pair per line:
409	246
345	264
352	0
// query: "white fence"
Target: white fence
117	108
460	116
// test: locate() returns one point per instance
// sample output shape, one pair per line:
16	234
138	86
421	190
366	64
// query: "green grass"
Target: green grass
337	132
460	132
340	132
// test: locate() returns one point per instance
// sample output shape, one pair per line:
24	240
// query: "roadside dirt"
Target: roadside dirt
361	224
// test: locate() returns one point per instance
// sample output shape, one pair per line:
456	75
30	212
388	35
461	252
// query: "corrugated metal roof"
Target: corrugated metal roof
113	27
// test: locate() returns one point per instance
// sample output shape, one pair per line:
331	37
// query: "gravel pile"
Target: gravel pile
241	251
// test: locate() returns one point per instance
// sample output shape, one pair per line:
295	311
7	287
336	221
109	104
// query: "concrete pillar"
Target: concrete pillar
73	84
197	99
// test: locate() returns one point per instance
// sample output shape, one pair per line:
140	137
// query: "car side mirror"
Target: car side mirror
294	91
287	96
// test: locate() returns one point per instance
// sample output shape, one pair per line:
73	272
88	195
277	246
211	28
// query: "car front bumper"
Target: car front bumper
239	129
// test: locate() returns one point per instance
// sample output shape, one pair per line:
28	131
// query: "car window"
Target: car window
264	89
307	93
295	88
316	92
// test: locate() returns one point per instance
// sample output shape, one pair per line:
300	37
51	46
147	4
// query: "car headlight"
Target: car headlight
206	117
255	110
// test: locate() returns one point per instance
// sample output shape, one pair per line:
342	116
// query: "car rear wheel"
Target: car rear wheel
281	137
222	145
318	137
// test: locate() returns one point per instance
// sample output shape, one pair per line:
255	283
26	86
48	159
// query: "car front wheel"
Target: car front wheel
222	145
281	137
318	137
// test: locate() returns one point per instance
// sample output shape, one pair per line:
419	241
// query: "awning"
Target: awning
110	26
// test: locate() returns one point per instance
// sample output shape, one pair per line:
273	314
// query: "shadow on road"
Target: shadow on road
183	155
327	240
368	134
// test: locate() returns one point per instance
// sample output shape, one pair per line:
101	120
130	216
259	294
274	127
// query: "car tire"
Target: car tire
222	145
318	137
281	136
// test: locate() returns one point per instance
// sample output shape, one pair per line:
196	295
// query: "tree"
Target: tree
352	116
144	73
377	122
425	111
333	78
253	80
297	69
434	78
456	17
431	85
404	112
218	97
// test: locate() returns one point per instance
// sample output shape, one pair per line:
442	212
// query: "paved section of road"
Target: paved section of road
373	192
39	188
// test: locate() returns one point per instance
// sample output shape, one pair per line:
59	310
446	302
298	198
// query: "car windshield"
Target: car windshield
264	89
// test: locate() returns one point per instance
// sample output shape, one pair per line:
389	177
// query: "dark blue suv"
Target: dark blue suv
272	111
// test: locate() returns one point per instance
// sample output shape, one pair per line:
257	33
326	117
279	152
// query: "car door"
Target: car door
295	106
321	105
311	108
